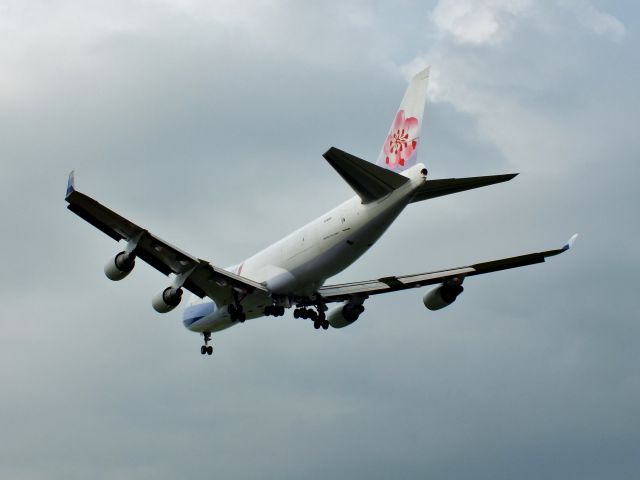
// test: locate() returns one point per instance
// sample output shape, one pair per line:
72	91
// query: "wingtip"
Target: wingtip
570	242
71	183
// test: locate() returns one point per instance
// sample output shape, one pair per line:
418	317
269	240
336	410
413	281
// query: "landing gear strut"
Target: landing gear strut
206	348
236	312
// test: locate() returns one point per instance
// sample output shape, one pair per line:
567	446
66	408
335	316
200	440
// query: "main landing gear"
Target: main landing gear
206	348
319	318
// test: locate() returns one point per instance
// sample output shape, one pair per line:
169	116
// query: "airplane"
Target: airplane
292	272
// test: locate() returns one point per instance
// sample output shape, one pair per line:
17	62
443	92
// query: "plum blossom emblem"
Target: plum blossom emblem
402	140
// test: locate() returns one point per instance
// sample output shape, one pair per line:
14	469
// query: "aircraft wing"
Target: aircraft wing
202	278
345	291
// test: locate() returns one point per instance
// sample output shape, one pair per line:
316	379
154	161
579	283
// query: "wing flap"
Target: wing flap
344	291
204	280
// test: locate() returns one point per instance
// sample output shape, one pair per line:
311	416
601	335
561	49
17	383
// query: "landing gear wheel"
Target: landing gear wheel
206	348
316	324
325	324
241	317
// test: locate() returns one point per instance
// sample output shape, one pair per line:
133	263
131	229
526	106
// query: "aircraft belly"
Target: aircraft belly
217	320
345	249
300	263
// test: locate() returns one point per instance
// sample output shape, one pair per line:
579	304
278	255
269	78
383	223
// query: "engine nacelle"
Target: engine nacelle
344	315
442	296
120	266
167	299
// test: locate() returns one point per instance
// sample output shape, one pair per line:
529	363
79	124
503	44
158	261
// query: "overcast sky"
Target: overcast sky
205	121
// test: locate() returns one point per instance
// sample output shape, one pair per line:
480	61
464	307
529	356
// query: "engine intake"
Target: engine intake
167	299
120	266
442	296
345	314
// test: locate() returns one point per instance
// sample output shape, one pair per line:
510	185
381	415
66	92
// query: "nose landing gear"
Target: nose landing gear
206	348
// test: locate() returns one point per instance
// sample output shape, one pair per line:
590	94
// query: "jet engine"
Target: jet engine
120	266
442	296
167	299
344	314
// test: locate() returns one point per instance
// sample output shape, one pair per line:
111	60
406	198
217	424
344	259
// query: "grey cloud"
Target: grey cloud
212	138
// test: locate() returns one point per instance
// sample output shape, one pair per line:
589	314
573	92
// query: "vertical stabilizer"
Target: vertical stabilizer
400	149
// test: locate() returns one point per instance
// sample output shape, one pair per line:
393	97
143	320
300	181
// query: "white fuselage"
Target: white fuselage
301	262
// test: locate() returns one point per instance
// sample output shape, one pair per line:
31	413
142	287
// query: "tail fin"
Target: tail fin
400	149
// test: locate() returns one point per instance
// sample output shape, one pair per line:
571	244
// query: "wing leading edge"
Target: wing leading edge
203	278
345	291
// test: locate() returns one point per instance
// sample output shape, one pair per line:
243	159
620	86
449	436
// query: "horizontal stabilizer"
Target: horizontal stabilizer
369	181
446	186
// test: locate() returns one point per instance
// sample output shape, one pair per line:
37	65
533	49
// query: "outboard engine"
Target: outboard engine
120	266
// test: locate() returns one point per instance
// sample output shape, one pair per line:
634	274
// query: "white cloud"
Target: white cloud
601	23
478	22
476	83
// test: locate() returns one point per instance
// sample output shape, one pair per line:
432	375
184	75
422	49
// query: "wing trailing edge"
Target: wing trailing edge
345	291
203	279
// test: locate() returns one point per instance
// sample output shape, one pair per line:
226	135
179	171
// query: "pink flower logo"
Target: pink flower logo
402	140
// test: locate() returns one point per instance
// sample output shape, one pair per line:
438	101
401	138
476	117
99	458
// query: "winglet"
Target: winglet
570	243
71	184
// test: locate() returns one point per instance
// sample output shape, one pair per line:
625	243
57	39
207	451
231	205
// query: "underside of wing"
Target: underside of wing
198	276
348	291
